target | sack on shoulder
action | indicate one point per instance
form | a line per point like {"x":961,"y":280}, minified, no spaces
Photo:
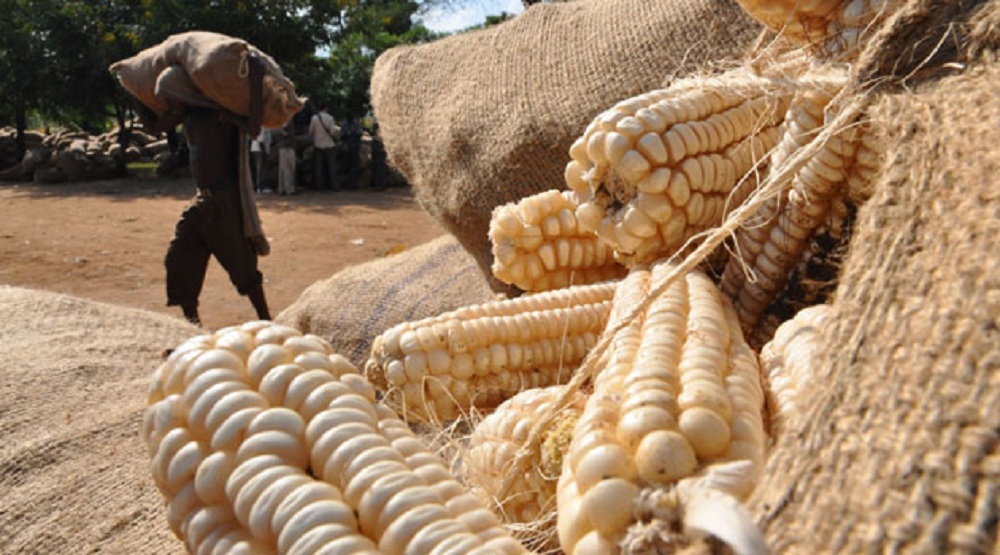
{"x":217,"y":66}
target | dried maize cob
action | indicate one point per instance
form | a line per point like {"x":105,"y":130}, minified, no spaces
{"x":814,"y":278}
{"x":867,"y":162}
{"x":771,"y":242}
{"x":438,"y":367}
{"x":681,"y":393}
{"x":832,"y":29}
{"x":657,"y":169}
{"x":263,"y":440}
{"x":494,"y":445}
{"x":788,"y":361}
{"x":538,"y":246}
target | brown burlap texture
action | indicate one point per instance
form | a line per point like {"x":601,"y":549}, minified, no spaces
{"x":74,"y":474}
{"x":899,"y":447}
{"x":486,"y":118}
{"x":356,"y":304}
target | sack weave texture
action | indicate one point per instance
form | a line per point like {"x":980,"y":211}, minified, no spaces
{"x":74,"y":474}
{"x":357,"y":304}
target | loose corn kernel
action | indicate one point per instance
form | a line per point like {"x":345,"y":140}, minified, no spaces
{"x":789,"y":362}
{"x":439,"y":367}
{"x":264,"y":440}
{"x":494,"y":445}
{"x":539,"y":246}
{"x":657,"y":169}
{"x":680,"y":394}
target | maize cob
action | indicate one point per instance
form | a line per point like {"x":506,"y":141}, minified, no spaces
{"x":657,"y":169}
{"x":831,"y":29}
{"x":538,"y":246}
{"x":814,"y":278}
{"x":494,"y":445}
{"x":680,"y":393}
{"x":867,"y":162}
{"x":788,"y":361}
{"x":771,"y":242}
{"x":263,"y":440}
{"x":438,"y":367}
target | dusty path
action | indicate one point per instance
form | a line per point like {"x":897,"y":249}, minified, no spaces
{"x":106,"y":240}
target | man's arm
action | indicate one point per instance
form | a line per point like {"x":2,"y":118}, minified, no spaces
{"x":250,"y":124}
{"x":156,"y":124}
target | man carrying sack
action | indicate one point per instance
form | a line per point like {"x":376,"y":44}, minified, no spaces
{"x":222,"y":220}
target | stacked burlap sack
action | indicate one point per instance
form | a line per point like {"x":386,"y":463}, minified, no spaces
{"x":68,"y":155}
{"x":199,"y":68}
{"x":74,"y":476}
{"x":485,"y":118}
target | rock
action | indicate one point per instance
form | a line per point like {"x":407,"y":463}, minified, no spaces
{"x":72,"y":163}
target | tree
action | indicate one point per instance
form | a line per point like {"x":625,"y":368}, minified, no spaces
{"x":23,"y":61}
{"x":367,"y":28}
{"x":54,"y":54}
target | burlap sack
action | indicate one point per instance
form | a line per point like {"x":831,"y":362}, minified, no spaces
{"x":485,"y":118}
{"x":174,"y":84}
{"x":356,"y":304}
{"x":217,"y":67}
{"x":74,"y":474}
{"x":899,"y":446}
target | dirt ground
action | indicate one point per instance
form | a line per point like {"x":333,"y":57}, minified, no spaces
{"x":106,"y":240}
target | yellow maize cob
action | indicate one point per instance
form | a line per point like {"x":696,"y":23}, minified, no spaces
{"x":830,"y":28}
{"x":772,"y":241}
{"x":680,"y":393}
{"x":479,"y":356}
{"x":538,"y":246}
{"x":263,"y":440}
{"x":657,"y":169}
{"x":494,"y":445}
{"x":788,"y":362}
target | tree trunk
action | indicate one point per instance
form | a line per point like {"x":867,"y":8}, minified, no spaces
{"x":21,"y":122}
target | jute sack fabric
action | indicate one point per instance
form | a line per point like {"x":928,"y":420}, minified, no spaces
{"x":175,"y":84}
{"x":74,"y":474}
{"x":355,"y":305}
{"x":485,"y":118}
{"x":217,"y":66}
{"x":898,"y":449}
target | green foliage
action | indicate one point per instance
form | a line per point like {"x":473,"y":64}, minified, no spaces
{"x":366,"y":30}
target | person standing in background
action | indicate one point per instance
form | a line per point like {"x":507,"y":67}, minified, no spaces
{"x":352,"y":140}
{"x":323,"y":132}
{"x":260,"y":147}
{"x":284,"y":141}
